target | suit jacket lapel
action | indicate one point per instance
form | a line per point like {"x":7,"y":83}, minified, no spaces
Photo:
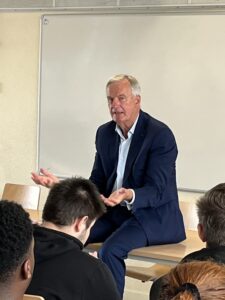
{"x":136,"y":143}
{"x":113,"y":150}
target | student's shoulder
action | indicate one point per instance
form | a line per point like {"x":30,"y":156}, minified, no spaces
{"x":202,"y":254}
{"x":93,"y":261}
{"x":100,"y":281}
{"x":216,"y":254}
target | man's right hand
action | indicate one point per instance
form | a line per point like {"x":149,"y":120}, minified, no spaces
{"x":45,"y":178}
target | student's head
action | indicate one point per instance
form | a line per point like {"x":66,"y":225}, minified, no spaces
{"x":76,"y":203}
{"x":16,"y":250}
{"x":197,"y":280}
{"x":211,"y":214}
{"x":123,"y":95}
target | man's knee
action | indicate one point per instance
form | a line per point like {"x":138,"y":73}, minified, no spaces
{"x":110,"y":249}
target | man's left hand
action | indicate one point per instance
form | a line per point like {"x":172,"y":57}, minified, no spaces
{"x":117,"y":197}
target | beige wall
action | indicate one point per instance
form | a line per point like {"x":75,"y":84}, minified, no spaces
{"x":19,"y":50}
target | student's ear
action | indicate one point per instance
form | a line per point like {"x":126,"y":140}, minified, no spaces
{"x":26,"y":269}
{"x":80,"y":224}
{"x":201,"y":232}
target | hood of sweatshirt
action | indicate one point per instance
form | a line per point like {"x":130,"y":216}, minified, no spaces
{"x":52,"y":243}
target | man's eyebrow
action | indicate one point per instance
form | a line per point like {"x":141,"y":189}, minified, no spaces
{"x":120,"y":95}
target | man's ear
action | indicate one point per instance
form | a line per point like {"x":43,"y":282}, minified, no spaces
{"x":138,"y":99}
{"x":80,"y":224}
{"x":26,"y":269}
{"x":201,"y":232}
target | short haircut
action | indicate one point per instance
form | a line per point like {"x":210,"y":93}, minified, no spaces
{"x":211,"y":214}
{"x":71,"y":199}
{"x":207,"y":277}
{"x":135,"y":87}
{"x":16,"y":235}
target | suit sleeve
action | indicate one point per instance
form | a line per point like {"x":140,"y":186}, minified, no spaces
{"x":97,"y":173}
{"x":158,"y":174}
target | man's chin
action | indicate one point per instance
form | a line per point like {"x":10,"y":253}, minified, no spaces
{"x":118,"y":118}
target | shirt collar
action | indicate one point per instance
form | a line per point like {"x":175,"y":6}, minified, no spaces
{"x":130,"y":132}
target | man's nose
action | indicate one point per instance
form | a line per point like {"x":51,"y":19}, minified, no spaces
{"x":115,"y":102}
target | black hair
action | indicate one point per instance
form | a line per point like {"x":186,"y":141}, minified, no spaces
{"x":73,"y":198}
{"x":16,"y":234}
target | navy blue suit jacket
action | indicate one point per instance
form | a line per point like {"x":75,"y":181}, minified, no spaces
{"x":150,"y":171}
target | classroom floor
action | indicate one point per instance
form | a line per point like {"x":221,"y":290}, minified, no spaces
{"x":135,"y":289}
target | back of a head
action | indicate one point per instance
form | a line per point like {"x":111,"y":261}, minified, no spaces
{"x":71,"y":199}
{"x":16,"y":235}
{"x":196,"y":280}
{"x":211,"y":214}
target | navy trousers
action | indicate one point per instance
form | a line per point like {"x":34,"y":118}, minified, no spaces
{"x":120,"y":232}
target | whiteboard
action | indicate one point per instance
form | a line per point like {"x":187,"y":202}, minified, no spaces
{"x":179,"y":61}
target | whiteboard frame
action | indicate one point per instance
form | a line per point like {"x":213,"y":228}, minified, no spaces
{"x":130,"y":11}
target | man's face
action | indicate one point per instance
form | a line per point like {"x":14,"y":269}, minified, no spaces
{"x":124,"y":107}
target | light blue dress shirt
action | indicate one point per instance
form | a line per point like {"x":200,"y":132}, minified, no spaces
{"x":123,"y":152}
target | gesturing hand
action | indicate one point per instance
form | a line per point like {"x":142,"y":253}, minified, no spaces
{"x":117,"y":197}
{"x":46,"y":178}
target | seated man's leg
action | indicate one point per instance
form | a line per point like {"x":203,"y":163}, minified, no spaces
{"x":128,"y":236}
{"x":108,"y":223}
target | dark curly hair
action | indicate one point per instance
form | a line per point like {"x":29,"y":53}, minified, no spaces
{"x":16,"y":234}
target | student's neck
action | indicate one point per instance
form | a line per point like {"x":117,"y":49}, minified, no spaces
{"x":8,"y":293}
{"x":65,"y":229}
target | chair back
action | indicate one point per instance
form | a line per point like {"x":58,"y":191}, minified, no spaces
{"x":189,"y":212}
{"x":26,"y":195}
{"x":32,"y":297}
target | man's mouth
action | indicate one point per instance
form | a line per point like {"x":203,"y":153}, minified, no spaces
{"x":117,"y":112}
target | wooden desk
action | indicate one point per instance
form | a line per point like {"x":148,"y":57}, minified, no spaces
{"x":164,"y":254}
{"x":170,"y":253}
{"x":35,"y":215}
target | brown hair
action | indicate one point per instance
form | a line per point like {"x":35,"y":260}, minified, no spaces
{"x":211,"y":214}
{"x":207,"y":278}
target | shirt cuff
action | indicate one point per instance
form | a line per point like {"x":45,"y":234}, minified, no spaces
{"x":130,"y":203}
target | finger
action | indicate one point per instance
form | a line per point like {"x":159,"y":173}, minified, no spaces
{"x":110,"y":202}
{"x":103,"y":198}
{"x":53,"y":179}
{"x":122,"y":191}
{"x":34,"y":175}
{"x":47,"y":182}
{"x":46,"y":172}
{"x":35,"y":178}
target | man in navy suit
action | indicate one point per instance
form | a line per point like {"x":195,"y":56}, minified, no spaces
{"x":134,"y":170}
